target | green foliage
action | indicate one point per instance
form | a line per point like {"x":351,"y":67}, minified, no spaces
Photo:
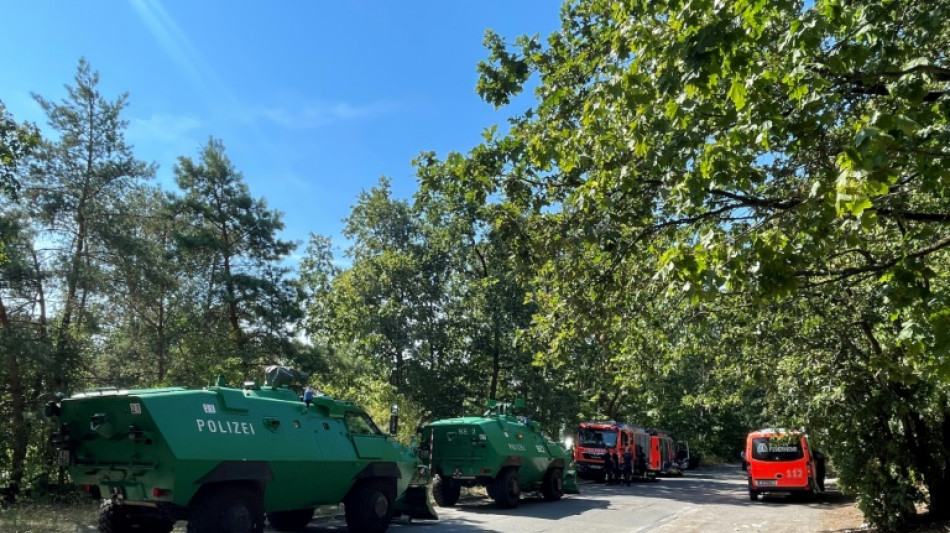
{"x":17,"y":141}
{"x":108,"y":281}
{"x":718,"y":216}
{"x":745,"y":200}
{"x":78,"y":187}
{"x":243,"y":283}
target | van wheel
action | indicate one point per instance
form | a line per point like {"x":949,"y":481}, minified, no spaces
{"x":294,"y":520}
{"x":369,"y":506}
{"x":227,"y":508}
{"x":552,"y":486}
{"x":753,"y":495}
{"x":505,"y":489}
{"x":445,"y":491}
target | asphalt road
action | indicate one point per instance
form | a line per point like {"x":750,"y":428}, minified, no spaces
{"x":705,"y":500}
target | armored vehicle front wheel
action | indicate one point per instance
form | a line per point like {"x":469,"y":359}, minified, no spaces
{"x":505,"y":489}
{"x":121,"y":518}
{"x":294,"y":520}
{"x":227,"y":508}
{"x":369,"y":506}
{"x":552,"y":486}
{"x":445,"y":491}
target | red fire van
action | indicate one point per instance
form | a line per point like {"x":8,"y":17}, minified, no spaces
{"x":779,"y":461}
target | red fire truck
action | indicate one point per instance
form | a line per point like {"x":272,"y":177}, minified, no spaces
{"x":662,"y":455}
{"x":594,"y":439}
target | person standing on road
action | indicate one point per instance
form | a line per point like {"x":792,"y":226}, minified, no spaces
{"x":609,"y":469}
{"x":627,"y":465}
{"x":616,"y":459}
{"x":641,"y":465}
{"x":820,"y":469}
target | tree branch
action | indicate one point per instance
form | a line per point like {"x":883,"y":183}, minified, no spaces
{"x":915,"y":216}
{"x":878,"y":267}
{"x":759,"y":202}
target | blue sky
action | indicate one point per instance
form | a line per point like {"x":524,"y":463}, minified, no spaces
{"x":313,"y":100}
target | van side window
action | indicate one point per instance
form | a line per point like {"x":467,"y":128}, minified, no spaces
{"x":625,"y":441}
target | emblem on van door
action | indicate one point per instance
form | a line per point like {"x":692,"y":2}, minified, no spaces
{"x":762,"y":448}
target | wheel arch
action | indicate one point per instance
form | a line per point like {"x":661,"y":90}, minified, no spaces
{"x":254,"y":471}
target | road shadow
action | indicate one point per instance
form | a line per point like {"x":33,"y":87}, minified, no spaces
{"x":478,"y":510}
{"x":708,"y":486}
{"x":724,"y":485}
{"x":530,"y":506}
{"x":535,"y":507}
{"x":339,"y":525}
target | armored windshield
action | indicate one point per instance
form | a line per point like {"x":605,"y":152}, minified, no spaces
{"x":360,"y":424}
{"x":597,"y":438}
{"x":766,"y":449}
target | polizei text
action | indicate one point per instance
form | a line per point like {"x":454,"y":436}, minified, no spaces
{"x":225,"y":426}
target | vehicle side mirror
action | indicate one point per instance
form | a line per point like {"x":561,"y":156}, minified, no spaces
{"x":394,"y":420}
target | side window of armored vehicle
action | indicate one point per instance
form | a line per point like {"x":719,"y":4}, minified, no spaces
{"x":360,"y":424}
{"x":625,"y":440}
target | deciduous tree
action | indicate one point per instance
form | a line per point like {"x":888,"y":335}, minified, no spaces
{"x":758,"y":154}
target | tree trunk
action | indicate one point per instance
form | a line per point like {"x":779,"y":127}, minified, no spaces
{"x":40,"y":296}
{"x":63,"y":363}
{"x":18,"y":428}
{"x":160,"y":335}
{"x":233,"y":319}
{"x":495,"y":361}
{"x":938,"y":482}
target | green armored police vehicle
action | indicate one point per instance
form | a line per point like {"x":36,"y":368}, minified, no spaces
{"x":504,"y":453}
{"x":221,"y":458}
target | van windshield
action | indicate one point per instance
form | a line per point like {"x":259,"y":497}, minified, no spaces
{"x":766,"y":449}
{"x":597,"y":438}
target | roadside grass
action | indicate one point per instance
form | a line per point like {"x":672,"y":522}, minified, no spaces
{"x":74,"y":517}
{"x":82,"y":517}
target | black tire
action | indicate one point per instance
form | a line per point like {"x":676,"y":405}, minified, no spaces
{"x":505,"y":489}
{"x":445,"y":491}
{"x":552,"y":486}
{"x":227,"y":509}
{"x":112,"y":519}
{"x":753,"y":495}
{"x":125,"y":519}
{"x":295,"y":520}
{"x":805,"y":495}
{"x":369,"y":506}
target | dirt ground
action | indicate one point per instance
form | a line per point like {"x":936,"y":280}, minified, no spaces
{"x":843,"y":518}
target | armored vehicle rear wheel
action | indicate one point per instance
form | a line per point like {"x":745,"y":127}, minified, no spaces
{"x":445,"y":491}
{"x":552,"y":486}
{"x":294,"y":520}
{"x":369,"y":506}
{"x":505,"y":489}
{"x":119,"y":519}
{"x":227,"y":509}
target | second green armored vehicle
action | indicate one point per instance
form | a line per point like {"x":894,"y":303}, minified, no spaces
{"x":506,"y":454}
{"x":223,"y":458}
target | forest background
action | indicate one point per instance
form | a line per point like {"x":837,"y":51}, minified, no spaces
{"x":716,"y":216}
